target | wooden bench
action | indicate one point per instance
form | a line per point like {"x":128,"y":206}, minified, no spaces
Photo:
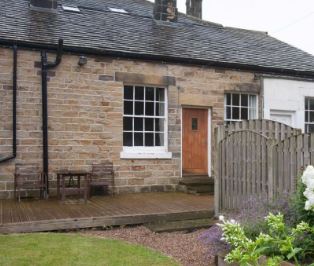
{"x":28,"y":177}
{"x":102,"y":178}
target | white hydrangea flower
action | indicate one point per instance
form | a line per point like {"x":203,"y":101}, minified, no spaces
{"x":308,"y":174}
{"x":311,"y":199}
{"x":307,"y":206}
{"x":221,"y":218}
{"x":308,"y":181}
{"x":308,"y":193}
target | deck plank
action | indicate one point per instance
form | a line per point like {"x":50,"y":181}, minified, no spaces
{"x":52,"y":214}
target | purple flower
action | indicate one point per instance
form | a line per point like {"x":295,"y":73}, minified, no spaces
{"x":212,"y":238}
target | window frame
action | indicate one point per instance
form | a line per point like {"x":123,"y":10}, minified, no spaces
{"x":146,"y":152}
{"x":307,"y":113}
{"x":239,"y":106}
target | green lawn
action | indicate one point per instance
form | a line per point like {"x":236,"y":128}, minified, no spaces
{"x":69,"y":249}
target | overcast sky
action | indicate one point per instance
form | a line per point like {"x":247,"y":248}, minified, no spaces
{"x":291,"y":21}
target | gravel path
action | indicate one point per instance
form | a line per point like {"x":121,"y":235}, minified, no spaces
{"x":184,"y":247}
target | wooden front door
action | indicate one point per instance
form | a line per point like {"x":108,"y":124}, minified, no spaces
{"x":195,"y":141}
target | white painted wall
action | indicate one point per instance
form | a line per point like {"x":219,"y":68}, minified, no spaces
{"x":284,"y":100}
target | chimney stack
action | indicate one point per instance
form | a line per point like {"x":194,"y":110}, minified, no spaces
{"x":44,"y":5}
{"x":194,"y":8}
{"x":166,"y":10}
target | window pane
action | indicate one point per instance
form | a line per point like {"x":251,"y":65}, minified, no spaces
{"x":235,"y":113}
{"x":149,"y":108}
{"x":149,"y":124}
{"x":160,"y":94}
{"x":244,"y":100}
{"x":159,"y":124}
{"x":244,"y":113}
{"x":128,"y":92}
{"x":236,"y":99}
{"x":149,"y":139}
{"x":252,"y":113}
{"x":149,"y":94}
{"x":138,"y":139}
{"x":128,"y":107}
{"x":252,"y":101}
{"x":139,"y":93}
{"x":159,"y":139}
{"x":194,"y":124}
{"x":127,"y":123}
{"x":160,"y":109}
{"x":306,"y":116}
{"x":310,"y":128}
{"x":311,"y":104}
{"x":311,"y":117}
{"x":127,"y":139}
{"x":138,"y":124}
{"x":228,"y":99}
{"x":139,"y":108}
{"x":306,"y":103}
{"x":228,"y":113}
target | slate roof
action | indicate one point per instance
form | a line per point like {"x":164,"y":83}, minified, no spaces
{"x":99,"y":30}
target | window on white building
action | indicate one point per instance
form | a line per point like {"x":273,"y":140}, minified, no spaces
{"x":144,"y":117}
{"x":309,"y":115}
{"x":240,"y":106}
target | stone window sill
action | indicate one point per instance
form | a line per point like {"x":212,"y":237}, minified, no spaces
{"x":145,"y":155}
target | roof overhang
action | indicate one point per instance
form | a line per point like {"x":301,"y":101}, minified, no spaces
{"x":161,"y":58}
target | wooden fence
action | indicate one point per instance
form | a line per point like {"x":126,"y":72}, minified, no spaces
{"x":259,"y":158}
{"x":289,"y":158}
{"x":269,"y":128}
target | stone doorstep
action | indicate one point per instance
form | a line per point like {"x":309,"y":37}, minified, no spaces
{"x":197,"y":184}
{"x":196,"y":180}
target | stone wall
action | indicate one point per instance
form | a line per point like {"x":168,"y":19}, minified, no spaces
{"x":85,"y":114}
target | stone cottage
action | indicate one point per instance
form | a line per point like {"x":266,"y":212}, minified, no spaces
{"x":132,"y":82}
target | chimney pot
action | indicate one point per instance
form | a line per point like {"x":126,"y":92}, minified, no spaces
{"x":194,"y":8}
{"x":166,"y":10}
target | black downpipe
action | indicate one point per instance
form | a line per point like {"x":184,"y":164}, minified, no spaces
{"x":45,"y":66}
{"x":13,"y":156}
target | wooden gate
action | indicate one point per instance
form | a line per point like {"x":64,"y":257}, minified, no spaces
{"x":243,"y":165}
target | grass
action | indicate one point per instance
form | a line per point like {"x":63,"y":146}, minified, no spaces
{"x":70,"y":249}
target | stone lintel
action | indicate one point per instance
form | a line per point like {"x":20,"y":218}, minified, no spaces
{"x":134,"y":78}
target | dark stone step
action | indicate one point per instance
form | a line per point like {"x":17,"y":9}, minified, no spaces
{"x":196,"y":180}
{"x":208,"y":189}
{"x":201,"y":188}
{"x":193,"y":192}
{"x":198,"y":185}
{"x":181,"y":225}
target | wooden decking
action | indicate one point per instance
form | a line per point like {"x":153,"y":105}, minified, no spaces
{"x":52,"y":214}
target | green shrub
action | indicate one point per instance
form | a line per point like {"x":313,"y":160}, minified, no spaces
{"x":278,"y":243}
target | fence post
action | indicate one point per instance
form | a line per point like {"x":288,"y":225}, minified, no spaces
{"x":217,"y":188}
{"x":270,"y":169}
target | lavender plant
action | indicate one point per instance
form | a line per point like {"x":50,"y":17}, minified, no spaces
{"x":213,"y":238}
{"x":252,"y":212}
